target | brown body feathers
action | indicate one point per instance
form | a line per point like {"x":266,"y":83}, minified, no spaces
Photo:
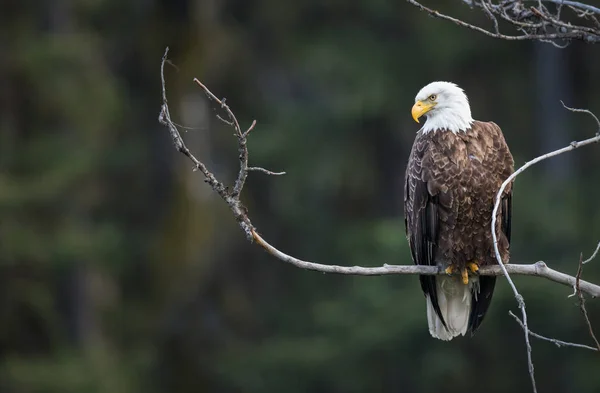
{"x":450,"y":189}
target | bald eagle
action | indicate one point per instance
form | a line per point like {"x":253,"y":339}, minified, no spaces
{"x":455,"y":169}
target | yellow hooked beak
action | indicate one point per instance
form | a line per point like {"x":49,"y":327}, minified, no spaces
{"x":420,"y":108}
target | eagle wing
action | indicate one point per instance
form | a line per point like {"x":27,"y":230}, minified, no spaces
{"x":421,"y":216}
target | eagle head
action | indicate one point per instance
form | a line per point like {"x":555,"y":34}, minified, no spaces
{"x":445,"y":105}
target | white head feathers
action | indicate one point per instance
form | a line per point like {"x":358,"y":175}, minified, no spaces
{"x":448,"y":107}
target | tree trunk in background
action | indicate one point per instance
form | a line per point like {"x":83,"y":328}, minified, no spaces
{"x":77,"y":305}
{"x":553,"y":85}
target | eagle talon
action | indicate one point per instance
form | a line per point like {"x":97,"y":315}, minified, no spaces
{"x":449,"y":270}
{"x":473,"y":267}
{"x":465,"y":276}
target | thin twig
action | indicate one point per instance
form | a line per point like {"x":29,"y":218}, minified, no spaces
{"x":577,"y":281}
{"x":557,"y":22}
{"x":165,"y":119}
{"x":249,"y":129}
{"x":593,"y":255}
{"x":527,"y":25}
{"x":587,"y":111}
{"x":491,"y":16}
{"x":238,"y":210}
{"x":558,"y":343}
{"x":229,"y":123}
{"x":582,"y":301}
{"x":575,"y":4}
{"x":265,"y":171}
{"x":242,"y":149}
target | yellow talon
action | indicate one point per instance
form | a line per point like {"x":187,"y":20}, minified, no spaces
{"x":465,"y":276}
{"x":449,"y":270}
{"x":473,"y":267}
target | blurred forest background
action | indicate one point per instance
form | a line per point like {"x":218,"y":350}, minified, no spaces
{"x":121,"y":271}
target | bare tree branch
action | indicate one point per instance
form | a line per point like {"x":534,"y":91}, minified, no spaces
{"x":539,"y":269}
{"x":537,"y":24}
{"x":232,"y":198}
{"x":558,"y":343}
{"x":238,"y":210}
{"x":518,"y":296}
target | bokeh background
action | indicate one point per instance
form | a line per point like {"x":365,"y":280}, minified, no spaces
{"x":121,"y":271}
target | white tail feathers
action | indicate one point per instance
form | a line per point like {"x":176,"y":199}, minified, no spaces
{"x":454,"y":299}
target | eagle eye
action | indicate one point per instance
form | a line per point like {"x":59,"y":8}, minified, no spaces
{"x":432,"y":97}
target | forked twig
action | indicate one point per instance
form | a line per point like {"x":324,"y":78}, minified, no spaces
{"x":533,"y":23}
{"x":582,"y":301}
{"x":558,"y":343}
{"x":518,"y":296}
